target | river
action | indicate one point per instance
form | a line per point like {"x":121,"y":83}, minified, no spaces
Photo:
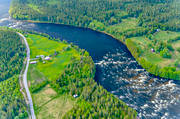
{"x":117,"y":70}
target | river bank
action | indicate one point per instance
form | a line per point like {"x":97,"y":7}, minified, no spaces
{"x":154,"y":69}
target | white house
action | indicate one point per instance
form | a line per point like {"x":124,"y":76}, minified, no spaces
{"x":47,"y":58}
{"x":152,"y":50}
{"x":42,"y":56}
{"x":37,"y":56}
{"x":75,"y":96}
{"x":33,"y":62}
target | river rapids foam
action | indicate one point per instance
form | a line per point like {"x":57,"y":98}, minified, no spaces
{"x":153,"y":98}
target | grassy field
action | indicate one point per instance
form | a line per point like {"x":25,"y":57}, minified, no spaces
{"x":165,"y":35}
{"x":126,"y":24}
{"x":53,"y":2}
{"x":145,"y":44}
{"x":43,"y":46}
{"x":48,"y":104}
{"x":34,"y":7}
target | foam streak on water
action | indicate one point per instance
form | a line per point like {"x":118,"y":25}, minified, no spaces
{"x":152,"y":98}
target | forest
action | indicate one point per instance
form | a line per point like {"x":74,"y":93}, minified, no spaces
{"x":150,"y":13}
{"x":12,"y":53}
{"x":138,"y":20}
{"x":12,"y":105}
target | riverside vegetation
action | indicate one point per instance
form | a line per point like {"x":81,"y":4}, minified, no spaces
{"x":12,"y":54}
{"x":63,"y":87}
{"x":149,"y":28}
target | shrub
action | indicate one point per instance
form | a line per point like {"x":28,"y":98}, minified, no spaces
{"x":169,"y":47}
{"x":165,"y":53}
{"x":178,"y":49}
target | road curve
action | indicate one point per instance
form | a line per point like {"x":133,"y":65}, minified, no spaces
{"x":25,"y":79}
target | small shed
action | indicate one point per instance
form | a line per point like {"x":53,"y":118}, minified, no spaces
{"x":38,"y":56}
{"x":75,"y":95}
{"x":42,"y":56}
{"x":152,"y":50}
{"x":55,"y":53}
{"x":47,"y":58}
{"x":33,"y":62}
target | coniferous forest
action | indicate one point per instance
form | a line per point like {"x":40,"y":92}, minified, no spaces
{"x":150,"y":13}
{"x":12,"y":53}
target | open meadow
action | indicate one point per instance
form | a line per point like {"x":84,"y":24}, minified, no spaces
{"x":44,"y":97}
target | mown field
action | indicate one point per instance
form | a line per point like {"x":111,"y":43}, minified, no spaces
{"x":50,"y":105}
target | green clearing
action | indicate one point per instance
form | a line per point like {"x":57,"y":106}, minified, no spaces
{"x":122,"y":13}
{"x":176,"y":44}
{"x":166,"y":35}
{"x":35,"y":76}
{"x":35,"y":8}
{"x":40,"y":45}
{"x":140,"y":41}
{"x":49,"y":104}
{"x":153,"y":57}
{"x":53,"y":2}
{"x":126,"y":24}
{"x":145,"y":44}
